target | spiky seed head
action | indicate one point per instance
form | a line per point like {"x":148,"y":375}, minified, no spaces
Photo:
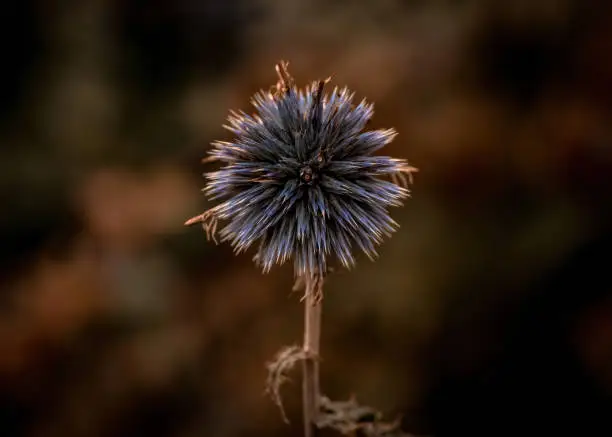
{"x":301,"y":179}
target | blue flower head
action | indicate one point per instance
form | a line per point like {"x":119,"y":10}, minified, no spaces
{"x":300,"y":178}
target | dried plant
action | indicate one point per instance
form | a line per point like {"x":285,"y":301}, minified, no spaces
{"x":301,"y":180}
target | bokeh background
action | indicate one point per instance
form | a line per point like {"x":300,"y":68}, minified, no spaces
{"x":488,"y":313}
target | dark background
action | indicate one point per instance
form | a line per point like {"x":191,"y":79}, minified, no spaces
{"x":489,"y":313}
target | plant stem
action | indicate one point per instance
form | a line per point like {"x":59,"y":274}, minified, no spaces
{"x":312,"y":335}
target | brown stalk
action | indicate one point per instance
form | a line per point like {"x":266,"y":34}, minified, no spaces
{"x":312,"y":335}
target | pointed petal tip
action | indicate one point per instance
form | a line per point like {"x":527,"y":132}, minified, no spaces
{"x":209,"y":159}
{"x":194,"y":220}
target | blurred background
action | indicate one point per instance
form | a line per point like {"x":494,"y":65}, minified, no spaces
{"x":488,"y":313}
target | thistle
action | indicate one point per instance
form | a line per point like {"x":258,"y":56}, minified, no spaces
{"x":301,"y":180}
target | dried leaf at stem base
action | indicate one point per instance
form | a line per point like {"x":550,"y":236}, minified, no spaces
{"x":350,"y":418}
{"x":278,"y":371}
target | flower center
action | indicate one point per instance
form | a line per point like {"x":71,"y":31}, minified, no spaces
{"x":307,"y":175}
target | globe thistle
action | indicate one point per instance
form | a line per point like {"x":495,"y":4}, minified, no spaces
{"x":301,"y":179}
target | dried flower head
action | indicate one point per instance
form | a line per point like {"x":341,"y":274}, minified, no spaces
{"x":301,"y":179}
